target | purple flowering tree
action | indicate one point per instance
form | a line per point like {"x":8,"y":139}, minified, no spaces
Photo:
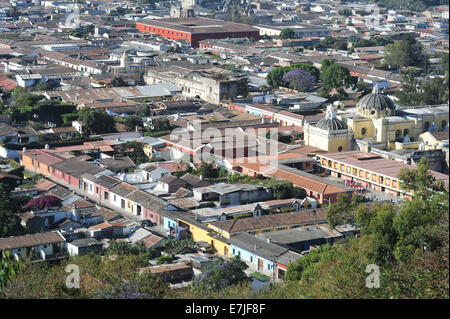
{"x":43,"y":202}
{"x":299,"y":80}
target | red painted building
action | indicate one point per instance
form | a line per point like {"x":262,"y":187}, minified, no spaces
{"x":195,"y":29}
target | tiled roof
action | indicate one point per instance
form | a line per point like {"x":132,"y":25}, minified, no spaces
{"x":44,"y":184}
{"x":259,"y":247}
{"x":194,"y":180}
{"x":375,"y":163}
{"x":123,"y":189}
{"x":117,"y":163}
{"x":6,"y":129}
{"x":271,"y":221}
{"x":31,"y":240}
{"x":441,"y":135}
{"x":76,"y":167}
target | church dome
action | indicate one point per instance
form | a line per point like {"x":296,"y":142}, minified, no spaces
{"x":330,"y":122}
{"x":375,"y":104}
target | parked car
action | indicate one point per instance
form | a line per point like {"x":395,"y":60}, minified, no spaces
{"x":146,"y":223}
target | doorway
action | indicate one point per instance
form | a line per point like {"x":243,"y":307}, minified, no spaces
{"x":260,"y":264}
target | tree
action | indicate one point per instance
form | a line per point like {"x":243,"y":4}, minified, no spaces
{"x":223,"y":172}
{"x":372,"y":42}
{"x":44,"y":202}
{"x":135,"y":151}
{"x":207,"y":170}
{"x":118,"y":82}
{"x":345,"y":12}
{"x":132,"y":121}
{"x":444,"y":63}
{"x":14,"y":12}
{"x":220,"y":274}
{"x":8,"y":268}
{"x":299,"y":80}
{"x":96,"y":121}
{"x":295,"y":270}
{"x":175,"y":49}
{"x":428,"y":92}
{"x":336,"y":43}
{"x":341,"y":212}
{"x":275,"y":77}
{"x":287,"y":33}
{"x":434,"y":91}
{"x":409,"y":94}
{"x":407,"y":52}
{"x":336,"y":76}
{"x":420,"y":181}
{"x":243,"y":86}
{"x":9,"y":220}
{"x":285,"y":190}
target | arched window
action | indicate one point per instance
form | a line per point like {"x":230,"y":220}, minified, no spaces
{"x":340,"y":148}
{"x":405,"y":132}
{"x":398,"y":133}
{"x":427,"y":125}
{"x":363,"y":131}
{"x":444,"y":124}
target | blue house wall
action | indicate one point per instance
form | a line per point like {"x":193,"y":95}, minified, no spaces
{"x":252,"y":258}
{"x":169,"y":223}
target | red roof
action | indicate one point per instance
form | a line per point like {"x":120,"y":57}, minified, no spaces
{"x":7,"y":84}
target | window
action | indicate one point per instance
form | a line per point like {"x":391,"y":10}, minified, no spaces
{"x":106,"y":195}
{"x":427,"y":125}
{"x":234,"y":251}
{"x":90,"y":187}
{"x":340,"y":148}
{"x":405,"y":132}
{"x":444,"y":124}
{"x":251,"y":259}
{"x":114,"y":197}
{"x":363,"y":131}
{"x":96,"y":190}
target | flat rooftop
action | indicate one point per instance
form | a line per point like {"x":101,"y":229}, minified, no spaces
{"x":198,"y":25}
{"x":376,"y":163}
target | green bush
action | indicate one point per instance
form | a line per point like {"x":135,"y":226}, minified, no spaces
{"x":165,"y":259}
{"x":259,"y":276}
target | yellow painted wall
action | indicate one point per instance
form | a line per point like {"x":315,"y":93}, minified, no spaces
{"x":333,"y":145}
{"x":129,"y":206}
{"x":219,"y":231}
{"x":357,"y":125}
{"x":200,"y":234}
